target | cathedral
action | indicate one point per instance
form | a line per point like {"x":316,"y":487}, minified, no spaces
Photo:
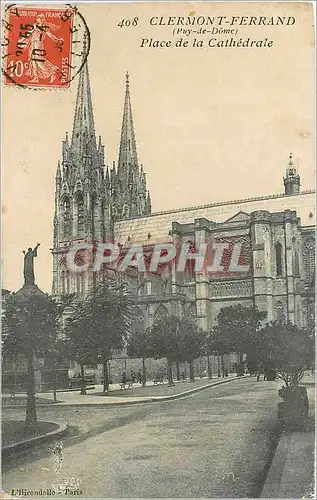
{"x":271,"y":239}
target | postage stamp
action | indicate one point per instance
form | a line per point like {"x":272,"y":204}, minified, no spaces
{"x":43,"y":46}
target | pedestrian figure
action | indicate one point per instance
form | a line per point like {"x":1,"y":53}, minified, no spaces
{"x":133,"y":377}
{"x":124,"y":377}
{"x":183,"y":376}
{"x":140,"y":377}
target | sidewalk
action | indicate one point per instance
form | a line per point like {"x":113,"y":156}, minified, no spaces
{"x":292,"y":469}
{"x":137,"y":394}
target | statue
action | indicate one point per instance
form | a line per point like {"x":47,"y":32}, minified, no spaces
{"x":29,"y":265}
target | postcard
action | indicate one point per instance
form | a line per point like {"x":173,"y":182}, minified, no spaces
{"x":158,"y":249}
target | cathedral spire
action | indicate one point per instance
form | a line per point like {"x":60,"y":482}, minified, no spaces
{"x":83,"y":126}
{"x":127,"y":151}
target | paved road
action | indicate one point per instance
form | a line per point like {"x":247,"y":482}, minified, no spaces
{"x":216,"y":443}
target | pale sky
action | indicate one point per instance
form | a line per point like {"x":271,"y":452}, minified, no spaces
{"x":211,"y":123}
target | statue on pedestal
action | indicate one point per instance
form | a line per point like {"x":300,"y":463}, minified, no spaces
{"x":28,"y":270}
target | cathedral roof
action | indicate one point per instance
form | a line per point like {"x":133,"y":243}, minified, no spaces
{"x":156,"y":227}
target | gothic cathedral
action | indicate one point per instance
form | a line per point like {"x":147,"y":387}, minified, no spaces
{"x":89,"y":197}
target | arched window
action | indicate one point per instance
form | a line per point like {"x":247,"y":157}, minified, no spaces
{"x":79,"y":213}
{"x":160,"y":313}
{"x":66,"y":218}
{"x":278,"y":259}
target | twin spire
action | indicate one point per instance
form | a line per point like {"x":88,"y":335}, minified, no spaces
{"x":127,"y":182}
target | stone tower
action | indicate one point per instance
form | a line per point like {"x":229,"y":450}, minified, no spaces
{"x":87,"y":196}
{"x":292,"y":178}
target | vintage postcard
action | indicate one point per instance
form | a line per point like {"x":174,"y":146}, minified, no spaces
{"x":158,"y":249}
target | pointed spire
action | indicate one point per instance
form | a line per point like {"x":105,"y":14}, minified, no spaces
{"x":58,"y":171}
{"x":127,"y":150}
{"x":148,"y":207}
{"x":107,"y":176}
{"x":83,"y":125}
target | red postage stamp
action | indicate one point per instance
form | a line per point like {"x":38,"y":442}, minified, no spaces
{"x":41,"y":44}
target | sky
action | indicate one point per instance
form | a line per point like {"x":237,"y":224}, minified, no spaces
{"x":211,"y":124}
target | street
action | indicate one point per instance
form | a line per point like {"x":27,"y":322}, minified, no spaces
{"x":216,"y":443}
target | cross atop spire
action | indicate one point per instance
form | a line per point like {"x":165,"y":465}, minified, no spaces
{"x":128,"y":158}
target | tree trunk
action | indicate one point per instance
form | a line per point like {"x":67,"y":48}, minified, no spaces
{"x":240,"y":370}
{"x":83,"y":385}
{"x":178,"y":376}
{"x":31,"y":417}
{"x":209,"y":368}
{"x":105,"y":376}
{"x":222,"y":366}
{"x":54,"y":385}
{"x":218,"y":363}
{"x":143,"y":373}
{"x":191,"y":371}
{"x":170,"y":373}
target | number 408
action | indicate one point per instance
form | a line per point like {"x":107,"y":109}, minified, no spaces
{"x":128,"y":22}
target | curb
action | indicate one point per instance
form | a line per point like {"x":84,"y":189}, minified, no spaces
{"x":139,"y":402}
{"x":286,"y":477}
{"x":276,"y":469}
{"x":27,"y":443}
{"x":196,"y":389}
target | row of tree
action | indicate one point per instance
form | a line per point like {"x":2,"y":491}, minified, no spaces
{"x":91,"y":331}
